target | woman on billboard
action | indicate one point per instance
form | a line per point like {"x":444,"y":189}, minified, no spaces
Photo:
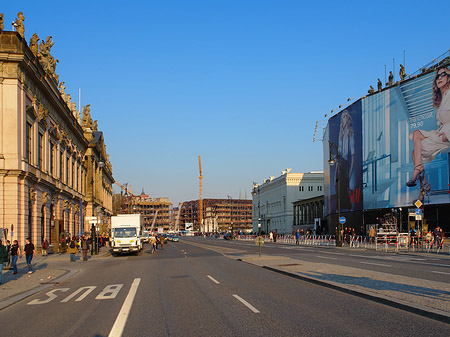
{"x":347,"y":160}
{"x":427,"y":144}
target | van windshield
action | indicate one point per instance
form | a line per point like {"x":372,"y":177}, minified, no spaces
{"x":124,"y":232}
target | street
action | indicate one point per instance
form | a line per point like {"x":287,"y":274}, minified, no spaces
{"x":198,"y":287}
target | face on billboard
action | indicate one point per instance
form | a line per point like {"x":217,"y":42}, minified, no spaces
{"x":406,"y":143}
{"x":342,"y":143}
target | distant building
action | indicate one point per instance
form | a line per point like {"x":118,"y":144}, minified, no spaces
{"x":219,"y":215}
{"x":155,"y":211}
{"x":273,"y":199}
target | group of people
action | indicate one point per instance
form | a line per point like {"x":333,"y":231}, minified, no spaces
{"x":10,"y":253}
{"x":155,"y":241}
{"x":76,"y":244}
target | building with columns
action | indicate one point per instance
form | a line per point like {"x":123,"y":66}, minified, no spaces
{"x":54,"y":170}
{"x":273,"y":199}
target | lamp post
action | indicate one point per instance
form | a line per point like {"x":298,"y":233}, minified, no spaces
{"x":332,"y":160}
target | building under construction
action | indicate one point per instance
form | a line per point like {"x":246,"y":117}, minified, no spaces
{"x":219,"y":215}
{"x":156,"y":212}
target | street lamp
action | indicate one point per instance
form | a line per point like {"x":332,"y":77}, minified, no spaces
{"x":332,"y":160}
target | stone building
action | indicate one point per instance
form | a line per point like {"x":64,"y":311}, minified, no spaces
{"x":54,"y":169}
{"x":273,"y":200}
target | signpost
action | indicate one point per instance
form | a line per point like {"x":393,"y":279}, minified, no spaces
{"x":342,"y":219}
{"x":259,"y":241}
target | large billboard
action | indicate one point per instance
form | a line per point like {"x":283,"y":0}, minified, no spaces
{"x":400,"y":149}
{"x":343,"y":161}
{"x":406,"y":142}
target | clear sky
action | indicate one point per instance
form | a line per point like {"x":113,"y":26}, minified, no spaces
{"x":239,"y":82}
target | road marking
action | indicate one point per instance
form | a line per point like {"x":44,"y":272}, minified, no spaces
{"x":51,"y":297}
{"x":88,"y":289}
{"x":122,"y":317}
{"x":212,"y":279}
{"x":440,"y":272}
{"x":327,"y":257}
{"x":376,"y":264}
{"x":248,"y":305}
{"x":110,"y":292}
{"x":333,"y":253}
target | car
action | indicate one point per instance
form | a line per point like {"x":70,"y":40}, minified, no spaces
{"x":175,"y":238}
{"x":228,"y":236}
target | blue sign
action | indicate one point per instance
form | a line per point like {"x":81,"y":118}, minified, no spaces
{"x":342,"y":219}
{"x":418,"y":211}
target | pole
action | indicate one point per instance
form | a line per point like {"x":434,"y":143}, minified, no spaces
{"x":339,"y":198}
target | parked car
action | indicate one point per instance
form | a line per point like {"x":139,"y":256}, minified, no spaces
{"x":228,"y":236}
{"x":175,"y":238}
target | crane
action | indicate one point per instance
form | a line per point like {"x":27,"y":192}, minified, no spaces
{"x":200,"y":187}
{"x":125,"y":188}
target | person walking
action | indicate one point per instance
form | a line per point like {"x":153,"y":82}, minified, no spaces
{"x":161,"y":241}
{"x":153,"y":242}
{"x":8,"y":259}
{"x":84,"y":247}
{"x":3,"y":258}
{"x":29,"y":253}
{"x":15,"y":253}
{"x":45,"y":247}
{"x":297,"y":237}
{"x":72,"y":250}
{"x":372,"y":234}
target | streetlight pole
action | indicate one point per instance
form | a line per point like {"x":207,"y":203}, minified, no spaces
{"x":332,"y":161}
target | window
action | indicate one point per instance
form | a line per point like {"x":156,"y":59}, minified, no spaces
{"x":61,"y":166}
{"x":319,"y":188}
{"x":73,"y":173}
{"x":301,"y":188}
{"x":52,"y":158}
{"x":28,"y":142}
{"x":40,"y":151}
{"x":310,"y":188}
{"x":67,"y":171}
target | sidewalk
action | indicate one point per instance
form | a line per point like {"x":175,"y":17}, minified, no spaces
{"x":423,"y":297}
{"x":48,"y":270}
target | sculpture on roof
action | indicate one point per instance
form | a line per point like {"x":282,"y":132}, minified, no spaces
{"x":20,"y":28}
{"x":379,"y":85}
{"x":95,"y":127}
{"x":391,"y":79}
{"x":371,"y":90}
{"x":402,"y":72}
{"x":86,"y":122}
{"x":34,"y":44}
{"x":1,"y":22}
{"x":47,"y":61}
{"x":62,"y":90}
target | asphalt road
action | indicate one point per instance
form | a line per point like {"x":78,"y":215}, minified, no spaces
{"x":187,"y":290}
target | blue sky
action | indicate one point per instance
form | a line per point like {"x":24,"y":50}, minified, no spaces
{"x":240,"y":83}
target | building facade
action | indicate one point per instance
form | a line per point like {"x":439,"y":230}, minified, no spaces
{"x":308,"y":214}
{"x":219,"y":215}
{"x":50,"y":175}
{"x":273,"y":199}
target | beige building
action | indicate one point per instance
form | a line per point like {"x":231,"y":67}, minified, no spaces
{"x":54,"y":170}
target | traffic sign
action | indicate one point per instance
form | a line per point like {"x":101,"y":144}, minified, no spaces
{"x":259,"y":241}
{"x":342,"y":219}
{"x":418,"y":211}
{"x":418,"y":203}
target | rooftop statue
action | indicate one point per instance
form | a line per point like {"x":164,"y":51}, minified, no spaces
{"x":379,"y":85}
{"x":87,"y":120}
{"x":34,"y":44}
{"x":1,"y":22}
{"x":20,"y":28}
{"x":47,"y":61}
{"x":371,"y":90}
{"x":62,"y":90}
{"x":391,"y":78}
{"x":402,"y":72}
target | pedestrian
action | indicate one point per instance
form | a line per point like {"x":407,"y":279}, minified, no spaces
{"x":84,"y":247}
{"x":29,"y":253}
{"x":153,"y":242}
{"x":372,"y":234}
{"x":45,"y":247}
{"x":271,"y":236}
{"x":72,"y":250}
{"x":8,"y":249}
{"x":274,"y":236}
{"x":297,"y":237}
{"x":3,"y":258}
{"x":161,"y":241}
{"x":15,"y":253}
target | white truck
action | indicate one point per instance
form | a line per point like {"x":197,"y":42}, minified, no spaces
{"x":126,"y":232}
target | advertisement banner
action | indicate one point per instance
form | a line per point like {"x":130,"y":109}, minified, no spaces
{"x":406,"y":143}
{"x":343,"y":164}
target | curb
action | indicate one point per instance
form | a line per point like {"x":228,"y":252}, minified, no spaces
{"x":19,"y":297}
{"x":435,"y":314}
